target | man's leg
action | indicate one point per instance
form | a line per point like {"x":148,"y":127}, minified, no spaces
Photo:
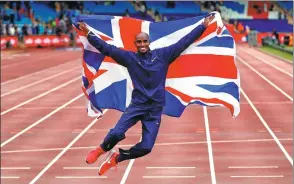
{"x":150,"y":126}
{"x":129,"y":118}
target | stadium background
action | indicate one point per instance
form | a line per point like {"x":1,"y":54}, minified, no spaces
{"x":43,"y":135}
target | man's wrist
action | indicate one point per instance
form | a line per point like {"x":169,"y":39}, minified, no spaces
{"x":204,"y":25}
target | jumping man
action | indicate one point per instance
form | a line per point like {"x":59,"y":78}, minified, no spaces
{"x":148,"y":70}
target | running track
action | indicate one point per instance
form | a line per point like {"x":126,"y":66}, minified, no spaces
{"x":46,"y":134}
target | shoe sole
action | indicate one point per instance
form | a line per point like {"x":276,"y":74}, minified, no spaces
{"x":106,"y":160}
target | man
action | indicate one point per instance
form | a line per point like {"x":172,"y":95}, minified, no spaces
{"x":148,"y":70}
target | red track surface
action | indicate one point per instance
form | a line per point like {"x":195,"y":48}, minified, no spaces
{"x":242,"y":150}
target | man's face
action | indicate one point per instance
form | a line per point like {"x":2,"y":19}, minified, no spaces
{"x":142,"y":42}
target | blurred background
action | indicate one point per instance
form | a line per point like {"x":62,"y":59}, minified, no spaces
{"x":41,"y":24}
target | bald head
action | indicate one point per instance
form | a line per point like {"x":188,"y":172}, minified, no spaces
{"x":142,"y":35}
{"x":142,"y":42}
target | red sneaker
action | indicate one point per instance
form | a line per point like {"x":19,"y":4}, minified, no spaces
{"x":94,"y":155}
{"x":109,"y":162}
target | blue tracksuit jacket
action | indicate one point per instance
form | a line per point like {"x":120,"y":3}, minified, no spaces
{"x":147,"y":71}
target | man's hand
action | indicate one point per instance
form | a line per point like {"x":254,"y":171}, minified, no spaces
{"x":208,"y":20}
{"x":83,"y":27}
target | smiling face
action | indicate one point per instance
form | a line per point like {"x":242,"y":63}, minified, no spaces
{"x":142,"y":42}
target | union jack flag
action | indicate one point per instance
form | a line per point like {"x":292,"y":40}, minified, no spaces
{"x":204,"y":74}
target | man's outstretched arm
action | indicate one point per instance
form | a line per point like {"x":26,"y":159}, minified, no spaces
{"x":120,"y":56}
{"x":175,"y":50}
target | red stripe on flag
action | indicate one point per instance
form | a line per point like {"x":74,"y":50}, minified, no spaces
{"x":210,"y":29}
{"x":187,"y":99}
{"x":85,"y":93}
{"x":100,"y":72}
{"x":109,"y":60}
{"x":81,"y":33}
{"x":88,"y":74}
{"x":129,"y":28}
{"x":203,"y":65}
{"x":104,"y":38}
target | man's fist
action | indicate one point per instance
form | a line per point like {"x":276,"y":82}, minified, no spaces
{"x":208,"y":20}
{"x":83,"y":27}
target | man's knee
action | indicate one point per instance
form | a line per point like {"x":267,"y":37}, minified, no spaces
{"x":146,"y":148}
{"x":146,"y":151}
{"x":140,"y":152}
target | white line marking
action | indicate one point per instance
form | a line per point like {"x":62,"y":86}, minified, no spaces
{"x":128,"y":170}
{"x":15,"y":64}
{"x":66,"y":148}
{"x":41,"y":95}
{"x":81,"y":177}
{"x":210,"y":155}
{"x":9,"y":177}
{"x":277,"y":176}
{"x":41,"y":71}
{"x":262,"y":76}
{"x":48,"y":108}
{"x":253,"y":167}
{"x":268,"y":103}
{"x":37,"y":82}
{"x":268,"y":128}
{"x":159,"y":177}
{"x":272,"y":65}
{"x":16,"y":168}
{"x":158,"y":144}
{"x":126,"y":174}
{"x":82,"y":168}
{"x":170,"y":167}
{"x":41,"y":120}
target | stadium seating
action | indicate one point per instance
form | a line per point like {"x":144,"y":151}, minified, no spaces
{"x":42,"y":11}
{"x":118,"y":8}
{"x":236,"y":6}
{"x":288,"y":5}
{"x":181,"y":8}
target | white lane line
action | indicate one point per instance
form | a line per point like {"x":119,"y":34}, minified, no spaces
{"x":32,"y":74}
{"x":9,"y":177}
{"x":15,"y":64}
{"x":39,"y":81}
{"x":170,"y":167}
{"x":66,"y":148}
{"x":40,"y":58}
{"x":267,"y":80}
{"x":272,"y":65}
{"x":253,"y":167}
{"x":268,"y":103}
{"x":157,"y":144}
{"x":271,"y":176}
{"x":210,"y":155}
{"x":80,"y":168}
{"x":54,"y":107}
{"x":268,"y":128}
{"x":81,"y":177}
{"x":41,"y":120}
{"x":128,"y":170}
{"x":160,"y":177}
{"x":39,"y":96}
{"x":126,"y":174}
{"x":14,"y":168}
